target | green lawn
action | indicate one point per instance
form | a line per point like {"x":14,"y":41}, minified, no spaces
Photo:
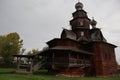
{"x":6,"y":70}
{"x":45,"y":77}
{"x":41,"y":77}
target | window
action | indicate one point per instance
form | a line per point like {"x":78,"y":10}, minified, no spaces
{"x":81,"y":23}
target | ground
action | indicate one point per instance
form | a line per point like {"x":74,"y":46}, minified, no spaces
{"x":6,"y":74}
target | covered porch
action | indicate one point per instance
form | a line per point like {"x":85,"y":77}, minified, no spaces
{"x":70,"y":60}
{"x":27,"y":63}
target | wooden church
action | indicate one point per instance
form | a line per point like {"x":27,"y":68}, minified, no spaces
{"x":81,"y":51}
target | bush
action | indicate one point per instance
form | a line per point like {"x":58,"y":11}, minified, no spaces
{"x":10,"y":65}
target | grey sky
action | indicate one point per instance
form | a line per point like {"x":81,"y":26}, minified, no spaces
{"x":38,"y":21}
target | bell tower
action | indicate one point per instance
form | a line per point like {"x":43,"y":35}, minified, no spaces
{"x":80,"y":23}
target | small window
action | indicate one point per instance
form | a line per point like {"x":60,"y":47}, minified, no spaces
{"x":81,"y":23}
{"x":82,"y":33}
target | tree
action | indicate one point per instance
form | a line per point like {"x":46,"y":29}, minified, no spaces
{"x":22,"y":51}
{"x":10,"y":45}
{"x":45,"y":48}
{"x":32,"y":51}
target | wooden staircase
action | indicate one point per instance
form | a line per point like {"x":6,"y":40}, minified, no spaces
{"x":38,"y":65}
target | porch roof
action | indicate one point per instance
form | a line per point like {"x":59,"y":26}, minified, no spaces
{"x":61,"y":48}
{"x":27,"y":56}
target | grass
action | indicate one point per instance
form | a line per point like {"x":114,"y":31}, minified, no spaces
{"x":6,"y":70}
{"x":46,"y":77}
{"x":41,"y":77}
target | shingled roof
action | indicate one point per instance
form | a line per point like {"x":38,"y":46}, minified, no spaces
{"x":68,"y":34}
{"x":96,"y":35}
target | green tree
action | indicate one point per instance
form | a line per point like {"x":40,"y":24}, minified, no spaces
{"x":32,"y":51}
{"x":9,"y":45}
{"x":22,"y":51}
{"x":35,"y":50}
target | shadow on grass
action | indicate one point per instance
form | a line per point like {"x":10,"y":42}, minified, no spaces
{"x":41,"y":72}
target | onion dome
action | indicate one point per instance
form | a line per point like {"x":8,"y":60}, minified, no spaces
{"x":79,"y":6}
{"x":93,"y":23}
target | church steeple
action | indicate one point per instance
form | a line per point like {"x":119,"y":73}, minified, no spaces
{"x":79,"y":11}
{"x":80,"y":22}
{"x":79,"y":6}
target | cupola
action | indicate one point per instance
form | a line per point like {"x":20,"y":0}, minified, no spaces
{"x":93,"y":23}
{"x":79,"y":6}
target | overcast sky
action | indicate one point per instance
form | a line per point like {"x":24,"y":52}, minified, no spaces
{"x":38,"y":21}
